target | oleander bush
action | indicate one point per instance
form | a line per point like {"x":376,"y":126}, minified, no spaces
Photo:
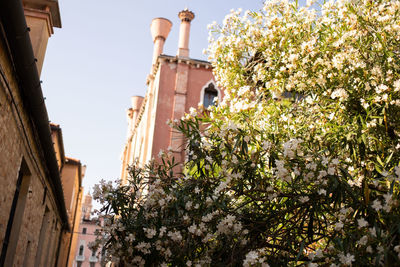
{"x":298,"y":165}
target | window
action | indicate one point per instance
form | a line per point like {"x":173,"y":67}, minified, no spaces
{"x":84,"y":231}
{"x":15,"y":218}
{"x":79,"y":264}
{"x":92,"y":264}
{"x":41,"y":251}
{"x":210,"y":93}
{"x":81,"y":250}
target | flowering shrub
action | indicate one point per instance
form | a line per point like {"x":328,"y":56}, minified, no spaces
{"x":300,"y":162}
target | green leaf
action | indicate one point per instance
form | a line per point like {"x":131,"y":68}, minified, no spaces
{"x":389,"y":158}
{"x":380,"y":161}
{"x":301,"y":250}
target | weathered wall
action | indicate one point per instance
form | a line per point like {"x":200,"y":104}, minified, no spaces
{"x":18,"y":144}
{"x":76,"y":227}
{"x":70,"y":183}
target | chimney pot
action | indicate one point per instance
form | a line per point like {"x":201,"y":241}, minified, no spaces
{"x":186,"y":16}
{"x":136,"y":104}
{"x":160,"y":28}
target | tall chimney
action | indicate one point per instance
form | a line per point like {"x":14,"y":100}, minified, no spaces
{"x":41,"y":17}
{"x":160,"y":28}
{"x":186,"y":17}
{"x":136,"y":104}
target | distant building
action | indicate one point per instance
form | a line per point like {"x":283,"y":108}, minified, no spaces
{"x":84,"y":256}
{"x":36,"y":226}
{"x":175,"y":84}
{"x":87,"y":207}
{"x":72,"y":175}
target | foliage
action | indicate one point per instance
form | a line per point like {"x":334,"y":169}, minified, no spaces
{"x":300,"y":162}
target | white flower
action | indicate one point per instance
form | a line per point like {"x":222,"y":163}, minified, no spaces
{"x":396,"y":86}
{"x":188,"y":205}
{"x":175,"y":236}
{"x":161,"y":202}
{"x":322,"y":192}
{"x":192,"y":229}
{"x":251,"y":258}
{"x":193,"y":111}
{"x":267,"y":146}
{"x":234,"y":160}
{"x":225,"y":225}
{"x":331,"y":171}
{"x":150,"y":233}
{"x":381,"y":88}
{"x":397,"y":171}
{"x":388,"y":202}
{"x":346,"y":259}
{"x":138,"y":260}
{"x":304,"y":199}
{"x":243,"y":90}
{"x":324,"y":161}
{"x":207,"y":218}
{"x":372,"y":231}
{"x":377,"y":205}
{"x":143,"y":247}
{"x":163,"y":229}
{"x":338,"y":226}
{"x":339,"y":93}
{"x":362,"y":223}
{"x":282,"y":171}
{"x":363,"y":240}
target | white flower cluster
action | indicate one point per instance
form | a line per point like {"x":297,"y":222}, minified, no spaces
{"x":302,"y":155}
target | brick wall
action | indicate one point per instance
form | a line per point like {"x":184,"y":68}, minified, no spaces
{"x":18,"y":143}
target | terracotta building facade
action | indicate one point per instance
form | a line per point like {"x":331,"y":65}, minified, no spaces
{"x":175,"y":84}
{"x":35,"y":223}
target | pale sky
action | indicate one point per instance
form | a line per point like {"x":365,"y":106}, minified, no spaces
{"x":100,"y":58}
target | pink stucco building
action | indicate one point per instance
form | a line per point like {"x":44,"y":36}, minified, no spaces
{"x":175,"y":84}
{"x":84,"y":256}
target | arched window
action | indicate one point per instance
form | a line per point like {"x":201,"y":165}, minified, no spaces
{"x":209,"y":95}
{"x":81,"y":250}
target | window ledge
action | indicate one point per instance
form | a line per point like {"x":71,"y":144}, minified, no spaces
{"x":80,"y":258}
{"x":93,"y":259}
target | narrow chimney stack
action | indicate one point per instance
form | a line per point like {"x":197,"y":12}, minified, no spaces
{"x":41,"y":18}
{"x":136,"y":104}
{"x":186,"y":16}
{"x":160,"y":28}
